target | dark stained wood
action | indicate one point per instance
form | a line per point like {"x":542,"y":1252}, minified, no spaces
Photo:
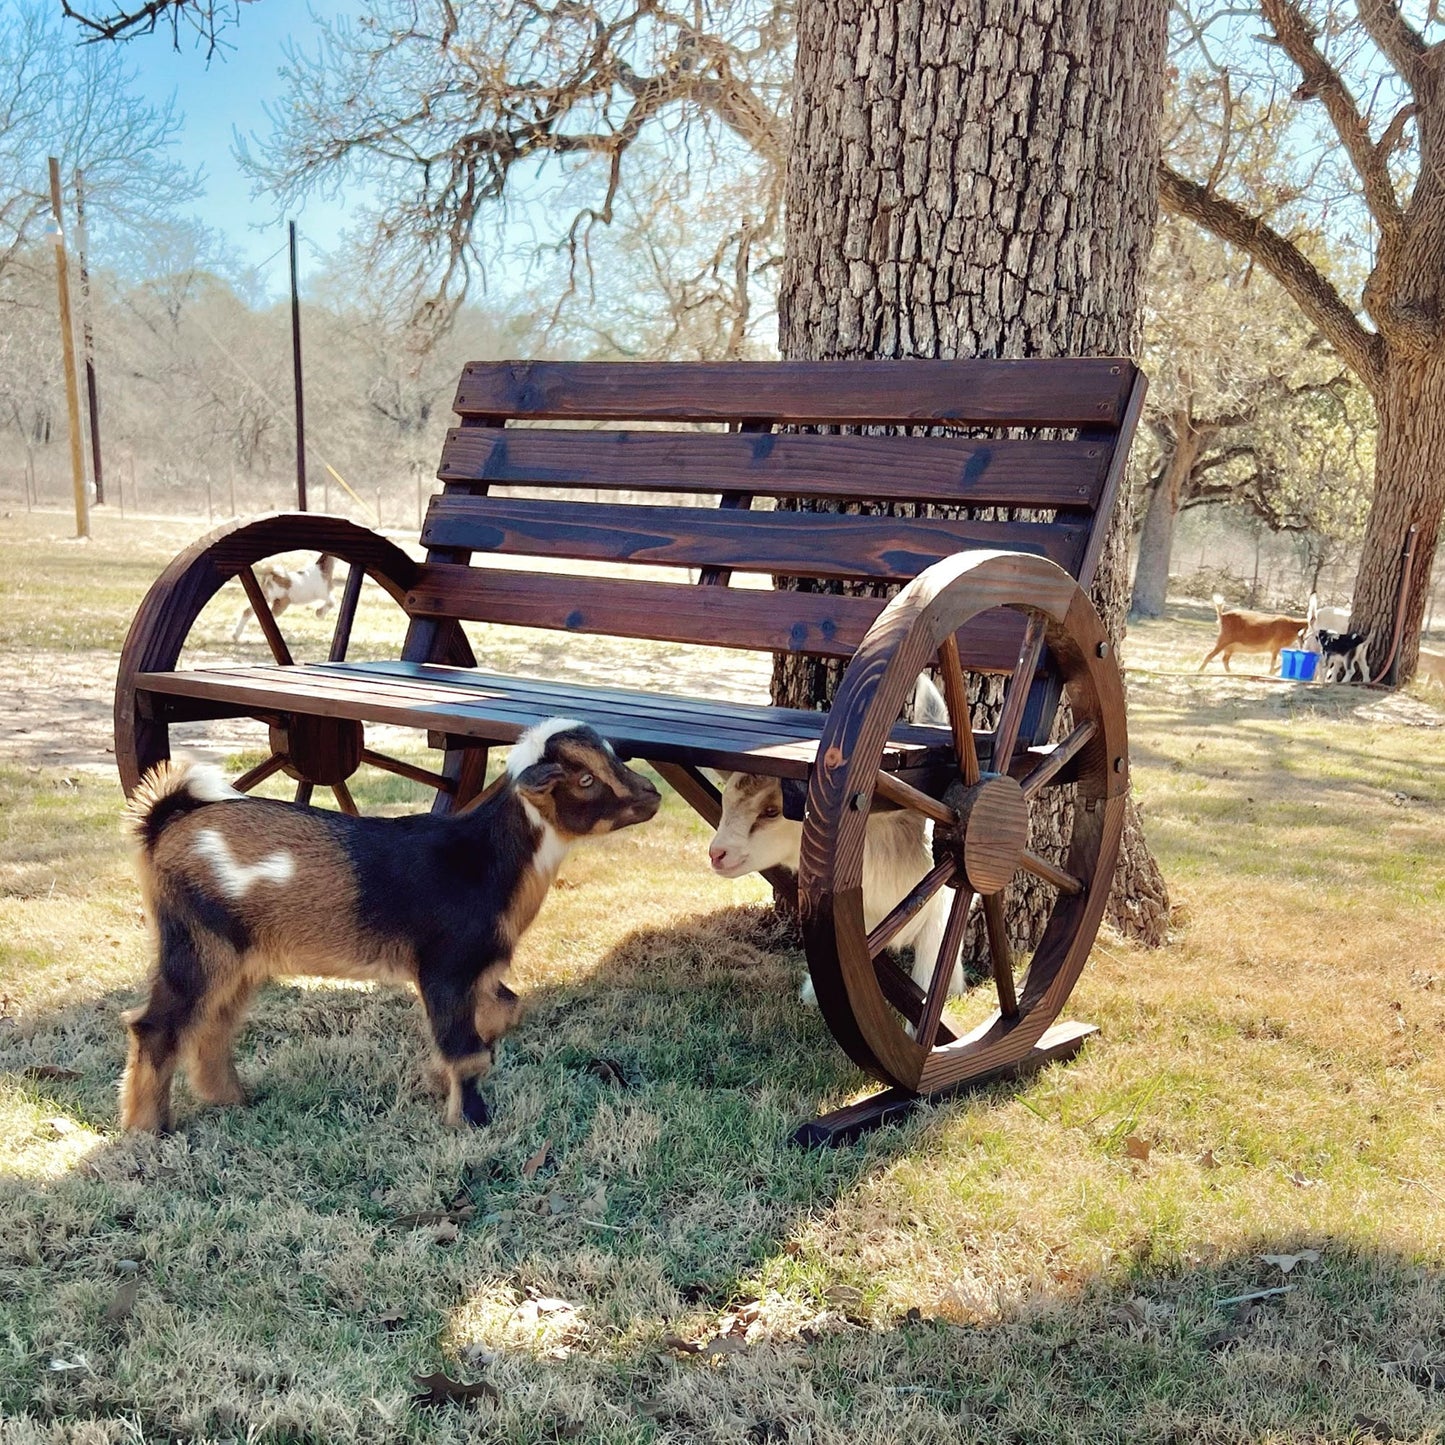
{"x":272,"y":632}
{"x":1006,"y":730}
{"x":402,"y":769}
{"x":1057,"y":758}
{"x":1000,"y":955}
{"x":926,"y":1029}
{"x":344,"y":800}
{"x":904,"y":795}
{"x":465,"y":769}
{"x":1066,"y":392}
{"x":893,"y":1106}
{"x":750,"y":618}
{"x":958,"y":471}
{"x":1063,"y":880}
{"x":498,"y":709}
{"x":796,"y":544}
{"x":346,"y":615}
{"x":1113,"y":479}
{"x":260,"y":772}
{"x":955,"y":695}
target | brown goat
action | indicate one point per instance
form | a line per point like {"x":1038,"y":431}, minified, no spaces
{"x":246,"y":889}
{"x":1243,"y":631}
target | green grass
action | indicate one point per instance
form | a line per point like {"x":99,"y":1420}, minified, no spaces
{"x":999,"y":1268}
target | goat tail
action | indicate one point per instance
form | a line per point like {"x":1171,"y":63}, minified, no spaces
{"x":169,"y":791}
{"x":929,"y":707}
{"x":1219,"y":601}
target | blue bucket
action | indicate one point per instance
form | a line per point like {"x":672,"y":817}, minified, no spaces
{"x":1298,"y":665}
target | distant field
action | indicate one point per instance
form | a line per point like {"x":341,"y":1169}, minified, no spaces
{"x":1061,"y":1261}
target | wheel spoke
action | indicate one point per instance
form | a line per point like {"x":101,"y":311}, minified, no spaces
{"x":408,"y":770}
{"x":341,"y":633}
{"x":1016,"y":698}
{"x":260,"y":772}
{"x":1000,"y":954}
{"x":1061,"y":755}
{"x":262,"y":609}
{"x":303,"y":792}
{"x":923,"y":890}
{"x":344,"y":800}
{"x":1042,"y":868}
{"x":927,"y":1030}
{"x":904,"y":994}
{"x":955,"y":693}
{"x":895,"y":790}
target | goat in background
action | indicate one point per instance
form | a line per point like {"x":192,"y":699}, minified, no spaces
{"x":1241,"y":630}
{"x":284,"y":587}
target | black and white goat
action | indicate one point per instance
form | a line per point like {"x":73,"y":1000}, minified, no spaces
{"x":284,"y":587}
{"x":758,"y":831}
{"x":242,"y":890}
{"x":1342,"y":654}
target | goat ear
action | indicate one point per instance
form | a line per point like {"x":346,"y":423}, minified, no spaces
{"x":1314,"y":608}
{"x":540,"y":778}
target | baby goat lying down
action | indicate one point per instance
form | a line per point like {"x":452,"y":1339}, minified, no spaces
{"x":753,"y":835}
{"x":242,"y":890}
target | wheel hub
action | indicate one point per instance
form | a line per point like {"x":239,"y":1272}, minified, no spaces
{"x":320,"y":750}
{"x":991,"y":833}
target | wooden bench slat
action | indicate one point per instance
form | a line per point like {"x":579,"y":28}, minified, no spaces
{"x":954,"y":470}
{"x":799,"y":544}
{"x":499,"y":709}
{"x":1063,"y":392}
{"x":815,"y":624}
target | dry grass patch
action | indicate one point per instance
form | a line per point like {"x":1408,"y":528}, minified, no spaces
{"x":1059,"y":1261}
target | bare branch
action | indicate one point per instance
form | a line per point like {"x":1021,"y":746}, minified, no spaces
{"x":1360,"y":349}
{"x":1319,"y":80}
{"x":1404,"y":47}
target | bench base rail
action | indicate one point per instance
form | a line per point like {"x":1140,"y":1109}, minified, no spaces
{"x":1059,"y":1042}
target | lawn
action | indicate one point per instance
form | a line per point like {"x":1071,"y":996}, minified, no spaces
{"x":630,"y":1252}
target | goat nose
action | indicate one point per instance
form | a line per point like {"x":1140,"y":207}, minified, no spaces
{"x":716,"y":855}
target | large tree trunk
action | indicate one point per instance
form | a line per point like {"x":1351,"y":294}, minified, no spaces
{"x":1409,"y":488}
{"x":976,"y":178}
{"x":1156,"y":536}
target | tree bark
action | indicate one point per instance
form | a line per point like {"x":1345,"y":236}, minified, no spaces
{"x":1156,"y":536}
{"x":1409,"y":489}
{"x":976,"y":178}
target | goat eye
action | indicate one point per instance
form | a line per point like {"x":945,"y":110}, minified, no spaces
{"x":772,"y":812}
{"x":586,"y":780}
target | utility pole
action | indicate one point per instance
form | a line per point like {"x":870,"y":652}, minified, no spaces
{"x":67,"y":342}
{"x":296,"y":370}
{"x":87,"y":337}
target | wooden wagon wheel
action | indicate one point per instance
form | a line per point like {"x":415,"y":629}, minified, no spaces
{"x":885,"y":1022}
{"x":315,"y":751}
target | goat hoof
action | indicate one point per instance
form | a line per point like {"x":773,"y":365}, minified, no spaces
{"x":475,"y":1109}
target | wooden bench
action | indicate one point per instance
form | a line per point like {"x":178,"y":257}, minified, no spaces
{"x":1041,"y":443}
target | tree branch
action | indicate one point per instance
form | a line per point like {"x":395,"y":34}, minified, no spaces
{"x":1403,"y":46}
{"x":1319,"y":80}
{"x":1360,"y":349}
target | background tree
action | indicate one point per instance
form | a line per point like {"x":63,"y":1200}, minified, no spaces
{"x":976,"y":179}
{"x":1360,"y":84}
{"x":1246,"y":405}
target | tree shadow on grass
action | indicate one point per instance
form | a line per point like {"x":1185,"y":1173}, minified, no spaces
{"x":294,"y":1263}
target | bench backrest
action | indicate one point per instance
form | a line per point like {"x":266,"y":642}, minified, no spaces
{"x":963,"y":449}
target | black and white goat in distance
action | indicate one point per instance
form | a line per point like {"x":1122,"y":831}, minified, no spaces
{"x":756,"y":833}
{"x":242,"y":890}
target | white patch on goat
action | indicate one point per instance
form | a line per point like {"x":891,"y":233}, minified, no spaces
{"x":553,"y":847}
{"x":206,"y":783}
{"x":236,"y":878}
{"x":528,"y":748}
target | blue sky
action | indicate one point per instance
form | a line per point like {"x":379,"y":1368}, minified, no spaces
{"x":229,"y":95}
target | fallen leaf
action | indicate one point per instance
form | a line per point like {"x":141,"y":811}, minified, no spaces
{"x":119,"y":1309}
{"x":530,"y":1168}
{"x":126,"y":1266}
{"x":1207,"y":1160}
{"x":1300,"y":1181}
{"x":62,"y":1126}
{"x":475,"y":1356}
{"x":682,"y":1346}
{"x":49,"y":1071}
{"x":556,"y":1202}
{"x":445,"y":1233}
{"x":1286,"y":1262}
{"x":436,"y":1390}
{"x":725,"y":1345}
{"x":390,"y":1319}
{"x":844,"y":1296}
{"x":1380,"y":1429}
{"x":1135,"y":1147}
{"x":546,"y":1306}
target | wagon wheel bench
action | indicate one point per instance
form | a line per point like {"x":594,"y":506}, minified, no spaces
{"x":1045,"y":442}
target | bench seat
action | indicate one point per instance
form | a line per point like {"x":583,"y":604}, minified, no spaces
{"x":465,"y":703}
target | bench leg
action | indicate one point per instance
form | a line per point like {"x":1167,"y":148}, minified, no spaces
{"x":467,"y":769}
{"x":892,"y":1106}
